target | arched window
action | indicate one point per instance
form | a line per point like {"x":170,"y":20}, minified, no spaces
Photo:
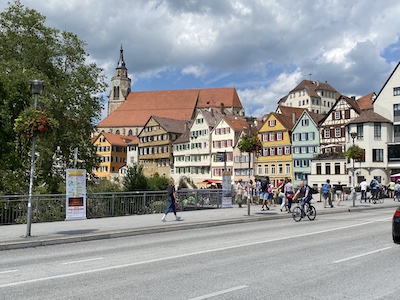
{"x":117,"y":132}
{"x":116,"y":92}
{"x":130,"y":132}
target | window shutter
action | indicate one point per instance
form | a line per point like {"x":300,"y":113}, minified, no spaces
{"x":342,"y":131}
{"x":332,"y":132}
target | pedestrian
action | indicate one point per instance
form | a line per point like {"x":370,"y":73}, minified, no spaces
{"x":339,"y":193}
{"x":281,"y":195}
{"x":172,"y":201}
{"x":391,"y":189}
{"x":264,"y":190}
{"x":258,"y":190}
{"x":327,"y":193}
{"x":271,"y":198}
{"x":363,"y":188}
{"x":289,"y":193}
{"x":251,"y":192}
{"x":239,"y":193}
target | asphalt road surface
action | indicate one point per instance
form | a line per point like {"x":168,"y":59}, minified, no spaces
{"x":337,"y":256}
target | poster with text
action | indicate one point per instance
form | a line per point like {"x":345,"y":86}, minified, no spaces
{"x":226,"y":190}
{"x":76,"y":194}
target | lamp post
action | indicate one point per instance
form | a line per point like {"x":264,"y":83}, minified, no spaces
{"x":37,"y":87}
{"x":353,"y":191}
{"x":250,"y":122}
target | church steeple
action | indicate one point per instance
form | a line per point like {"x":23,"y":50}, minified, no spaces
{"x":121,"y":62}
{"x":120,"y":84}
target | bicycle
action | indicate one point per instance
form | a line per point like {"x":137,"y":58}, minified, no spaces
{"x":310,"y":212}
{"x":377,"y":196}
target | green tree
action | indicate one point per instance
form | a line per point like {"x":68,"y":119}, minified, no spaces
{"x":29,"y":50}
{"x":157,"y":183}
{"x":249,"y":143}
{"x":134,"y":179}
{"x":355,"y":152}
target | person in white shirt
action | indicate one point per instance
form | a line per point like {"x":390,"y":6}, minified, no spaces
{"x":363,"y":188}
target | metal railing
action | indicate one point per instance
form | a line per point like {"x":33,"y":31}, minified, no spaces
{"x":48,"y":208}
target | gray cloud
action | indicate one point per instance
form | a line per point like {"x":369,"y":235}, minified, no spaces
{"x":269,"y":45}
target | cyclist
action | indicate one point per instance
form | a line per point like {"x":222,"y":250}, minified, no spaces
{"x":305,"y":195}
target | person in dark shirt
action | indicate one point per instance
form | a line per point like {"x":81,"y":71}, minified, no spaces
{"x":172,"y":200}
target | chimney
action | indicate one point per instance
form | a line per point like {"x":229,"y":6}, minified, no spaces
{"x":293,"y":117}
{"x":353,"y":97}
{"x":222,"y":108}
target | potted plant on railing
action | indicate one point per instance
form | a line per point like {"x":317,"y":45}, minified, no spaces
{"x":33,"y":123}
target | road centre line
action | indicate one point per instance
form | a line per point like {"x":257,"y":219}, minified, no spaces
{"x":81,"y":261}
{"x":8,"y":271}
{"x":184,"y":255}
{"x":220,"y":292}
{"x":361,"y":255}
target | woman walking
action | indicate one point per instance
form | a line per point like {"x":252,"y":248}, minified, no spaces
{"x":172,"y":200}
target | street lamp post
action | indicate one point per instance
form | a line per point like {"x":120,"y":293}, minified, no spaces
{"x":353,"y":187}
{"x":37,"y":87}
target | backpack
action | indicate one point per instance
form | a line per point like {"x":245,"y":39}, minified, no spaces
{"x":325,"y":189}
{"x":372,"y":184}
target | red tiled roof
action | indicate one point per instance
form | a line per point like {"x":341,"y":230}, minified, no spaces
{"x":365,"y":102}
{"x":117,"y":139}
{"x":369,"y":116}
{"x":172,"y":104}
{"x":312,"y":86}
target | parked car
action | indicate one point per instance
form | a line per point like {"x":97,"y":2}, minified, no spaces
{"x":396,"y":226}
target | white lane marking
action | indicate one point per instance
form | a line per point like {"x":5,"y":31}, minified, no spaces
{"x":81,"y":261}
{"x":360,"y":255}
{"x":8,"y":271}
{"x":220,"y":292}
{"x":183,"y":255}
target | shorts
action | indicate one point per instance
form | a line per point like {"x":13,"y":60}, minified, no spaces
{"x":265,"y":195}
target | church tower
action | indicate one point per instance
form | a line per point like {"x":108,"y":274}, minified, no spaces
{"x":120,"y":85}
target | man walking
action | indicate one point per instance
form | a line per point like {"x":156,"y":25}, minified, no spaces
{"x":239,"y":193}
{"x":363,"y":188}
{"x":264,"y":189}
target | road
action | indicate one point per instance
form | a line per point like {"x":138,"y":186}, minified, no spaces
{"x":337,"y":256}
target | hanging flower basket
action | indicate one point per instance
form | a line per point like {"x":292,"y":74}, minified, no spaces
{"x":33,"y":123}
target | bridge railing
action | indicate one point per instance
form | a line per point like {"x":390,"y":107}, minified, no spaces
{"x":51,"y":207}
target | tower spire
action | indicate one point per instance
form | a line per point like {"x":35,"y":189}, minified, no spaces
{"x":121,"y":62}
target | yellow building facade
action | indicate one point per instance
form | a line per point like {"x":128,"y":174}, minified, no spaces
{"x":275,"y":159}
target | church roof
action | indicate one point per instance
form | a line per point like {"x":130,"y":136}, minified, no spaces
{"x":173,"y":104}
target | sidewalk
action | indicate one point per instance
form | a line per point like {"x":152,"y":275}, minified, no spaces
{"x":13,"y":236}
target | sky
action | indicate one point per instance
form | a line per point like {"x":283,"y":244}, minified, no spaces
{"x":263,"y":48}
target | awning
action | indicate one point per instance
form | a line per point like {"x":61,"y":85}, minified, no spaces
{"x":395,"y":175}
{"x":209,"y":181}
{"x":330,"y":146}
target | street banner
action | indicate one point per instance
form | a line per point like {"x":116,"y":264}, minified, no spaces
{"x":76,"y":194}
{"x":226,"y":190}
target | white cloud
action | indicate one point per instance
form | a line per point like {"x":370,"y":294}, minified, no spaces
{"x":237,"y":41}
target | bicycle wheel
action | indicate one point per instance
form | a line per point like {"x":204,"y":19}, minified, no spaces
{"x":311,"y":213}
{"x":296,"y":214}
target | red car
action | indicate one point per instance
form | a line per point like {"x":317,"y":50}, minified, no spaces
{"x":396,"y":226}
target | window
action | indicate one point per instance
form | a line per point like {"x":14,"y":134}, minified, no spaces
{"x":272,"y":123}
{"x":377,"y":155}
{"x":272,"y":136}
{"x":279,"y":152}
{"x":287,"y":150}
{"x":279,"y":136}
{"x":338,"y":132}
{"x":296,"y":137}
{"x":272,"y":151}
{"x":311,"y":136}
{"x":287,"y":166}
{"x":280,"y":169}
{"x":337,"y":168}
{"x":396,"y":110}
{"x":273,"y":169}
{"x":296,"y":150}
{"x":297,"y":163}
{"x":259,"y":170}
{"x":396,"y":91}
{"x":327,"y":168}
{"x":303,"y":149}
{"x":304,"y":122}
{"x":265,"y":137}
{"x":327,"y":133}
{"x":360,"y":131}
{"x":266,"y":169}
{"x":304,"y":136}
{"x":318,"y":168}
{"x":377,"y":131}
{"x":337,"y":115}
